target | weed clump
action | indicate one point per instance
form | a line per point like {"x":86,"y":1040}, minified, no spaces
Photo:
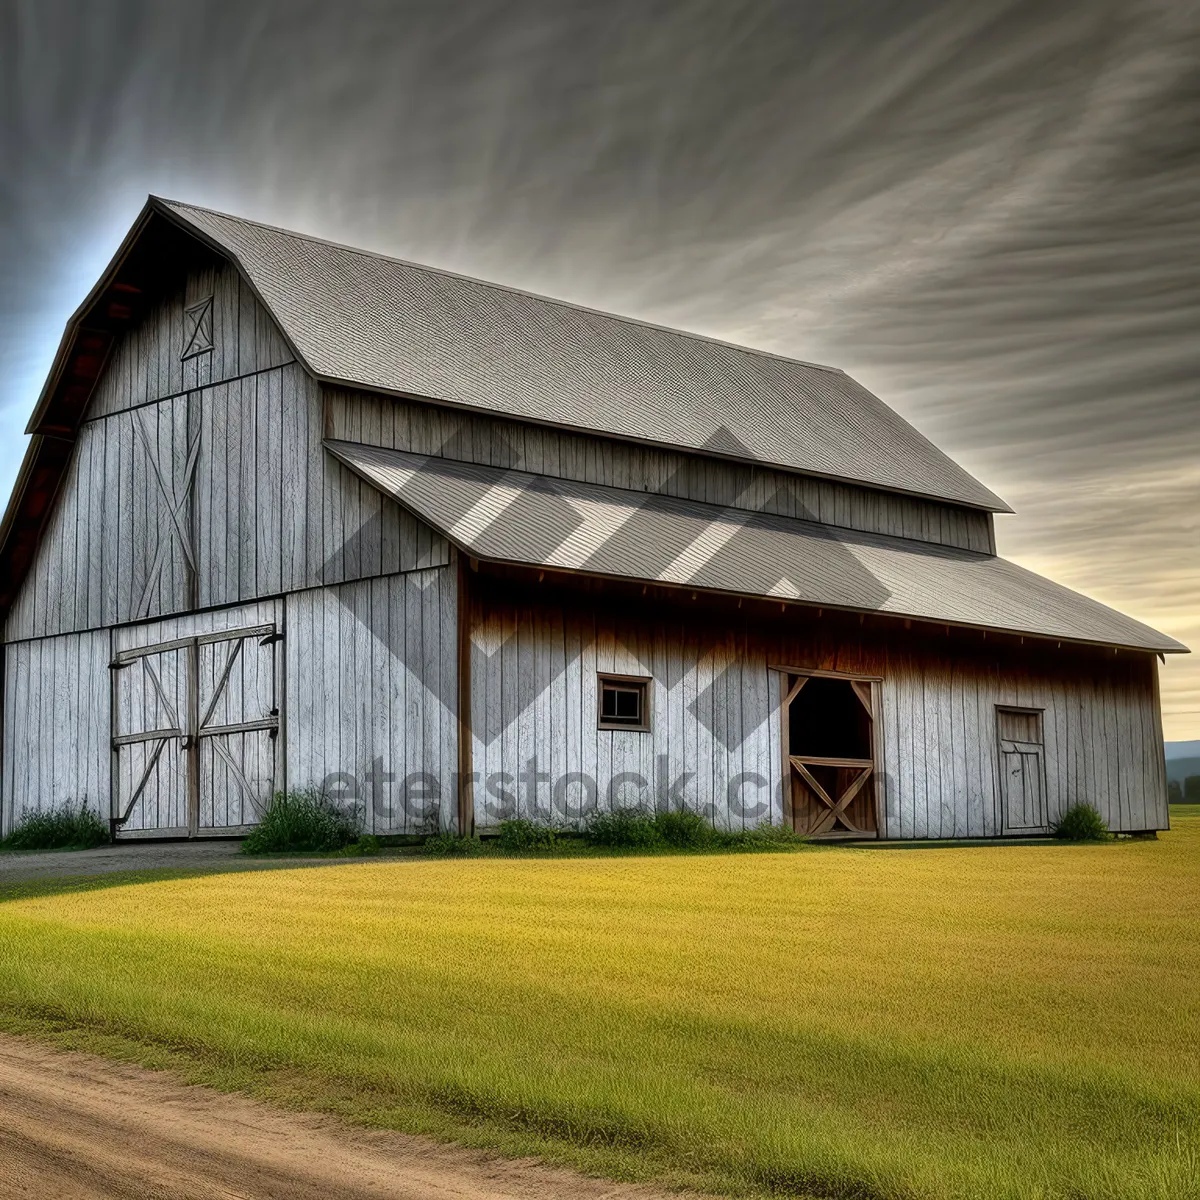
{"x":630,"y":828}
{"x":622,"y":828}
{"x":1081,"y":823}
{"x":64,"y":828}
{"x":366,"y":845}
{"x":519,"y":835}
{"x":764,"y":837}
{"x":301,"y":821}
{"x":681,"y":829}
{"x":450,"y":844}
{"x":684,"y":829}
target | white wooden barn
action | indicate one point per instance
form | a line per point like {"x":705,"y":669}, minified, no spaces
{"x":296,"y":515}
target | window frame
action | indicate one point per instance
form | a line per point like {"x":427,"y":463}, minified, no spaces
{"x":643,"y":682}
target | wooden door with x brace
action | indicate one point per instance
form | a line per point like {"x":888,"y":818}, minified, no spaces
{"x":828,"y":738}
{"x":195,"y":722}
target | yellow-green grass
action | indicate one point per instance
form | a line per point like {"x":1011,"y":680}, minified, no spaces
{"x":985,"y":1021}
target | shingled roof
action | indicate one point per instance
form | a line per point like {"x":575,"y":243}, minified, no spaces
{"x":514,"y":516}
{"x":374,"y":322}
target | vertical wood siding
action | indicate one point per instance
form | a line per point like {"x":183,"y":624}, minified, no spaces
{"x":940,"y":751}
{"x":145,"y":365}
{"x":373,"y":697}
{"x":715,"y":704}
{"x":56,"y":732}
{"x":428,"y":429}
{"x":538,"y":753}
{"x":232,"y":477}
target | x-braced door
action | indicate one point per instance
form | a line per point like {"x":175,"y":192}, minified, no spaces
{"x":829,"y":748}
{"x":149,"y":724}
{"x":195,"y":724}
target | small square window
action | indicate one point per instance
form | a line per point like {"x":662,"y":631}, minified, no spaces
{"x":197,"y":328}
{"x":624,"y":702}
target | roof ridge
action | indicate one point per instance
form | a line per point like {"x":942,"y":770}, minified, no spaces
{"x":505,"y":287}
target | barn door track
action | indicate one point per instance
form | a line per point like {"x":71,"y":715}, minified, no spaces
{"x":77,"y":1127}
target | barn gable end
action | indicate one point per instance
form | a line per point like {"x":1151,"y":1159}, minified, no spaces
{"x":198,"y":481}
{"x":161,"y":355}
{"x":187,"y":490}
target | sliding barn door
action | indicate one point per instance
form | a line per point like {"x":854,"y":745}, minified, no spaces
{"x":195,"y":727}
{"x":149,"y":721}
{"x":238,"y":726}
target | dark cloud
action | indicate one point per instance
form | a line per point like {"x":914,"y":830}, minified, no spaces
{"x":987,"y":211}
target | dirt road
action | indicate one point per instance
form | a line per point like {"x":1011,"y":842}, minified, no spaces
{"x":76,"y":1126}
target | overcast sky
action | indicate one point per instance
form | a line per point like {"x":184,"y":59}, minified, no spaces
{"x":989,"y":212}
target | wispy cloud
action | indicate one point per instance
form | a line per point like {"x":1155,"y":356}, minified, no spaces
{"x":987,"y":212}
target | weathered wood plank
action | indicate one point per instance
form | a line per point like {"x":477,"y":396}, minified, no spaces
{"x":937,"y":752}
{"x":55,"y":738}
{"x":145,"y":364}
{"x":428,"y":429}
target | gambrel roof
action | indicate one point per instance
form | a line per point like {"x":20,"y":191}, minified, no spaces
{"x":514,"y":516}
{"x":380,"y":323}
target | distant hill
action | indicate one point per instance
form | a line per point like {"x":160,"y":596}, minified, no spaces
{"x":1183,"y":760}
{"x":1180,"y":768}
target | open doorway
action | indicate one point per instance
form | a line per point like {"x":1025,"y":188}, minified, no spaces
{"x":829,"y":751}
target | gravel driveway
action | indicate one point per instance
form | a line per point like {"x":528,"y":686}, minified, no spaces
{"x":215,"y":855}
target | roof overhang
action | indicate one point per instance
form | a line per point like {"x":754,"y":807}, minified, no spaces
{"x":515,"y":517}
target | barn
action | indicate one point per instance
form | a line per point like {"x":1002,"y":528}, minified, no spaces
{"x":296,"y":515}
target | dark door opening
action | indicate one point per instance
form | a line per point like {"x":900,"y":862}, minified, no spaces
{"x":828,"y":727}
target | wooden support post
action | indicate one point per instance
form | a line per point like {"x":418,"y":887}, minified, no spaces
{"x":466,"y":790}
{"x":789,"y":813}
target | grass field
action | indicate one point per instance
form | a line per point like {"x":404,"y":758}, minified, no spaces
{"x":976,"y":1021}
